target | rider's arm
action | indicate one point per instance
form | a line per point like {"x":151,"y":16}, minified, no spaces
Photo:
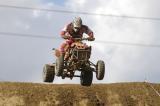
{"x":64,"y":33}
{"x":89,"y":32}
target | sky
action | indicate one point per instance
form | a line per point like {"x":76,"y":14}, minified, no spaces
{"x":22,"y":58}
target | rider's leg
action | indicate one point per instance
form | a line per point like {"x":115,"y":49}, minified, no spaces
{"x":65,"y":45}
{"x":67,"y":48}
{"x":62,"y":48}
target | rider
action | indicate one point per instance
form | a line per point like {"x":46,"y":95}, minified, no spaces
{"x":75,"y":29}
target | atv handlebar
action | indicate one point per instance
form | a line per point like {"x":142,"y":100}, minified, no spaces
{"x":76,"y":39}
{"x":80,"y":39}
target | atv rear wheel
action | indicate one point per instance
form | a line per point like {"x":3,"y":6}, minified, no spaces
{"x":86,"y":78}
{"x":48,"y":73}
{"x":59,"y":65}
{"x":100,"y":70}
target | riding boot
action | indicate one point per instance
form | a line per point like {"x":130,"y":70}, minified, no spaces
{"x":63,"y":54}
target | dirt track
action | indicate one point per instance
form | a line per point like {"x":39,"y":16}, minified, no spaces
{"x":122,"y":94}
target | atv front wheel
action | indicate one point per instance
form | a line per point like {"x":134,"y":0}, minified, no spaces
{"x":48,"y":73}
{"x":86,"y":78}
{"x":100,"y":70}
{"x":59,"y":65}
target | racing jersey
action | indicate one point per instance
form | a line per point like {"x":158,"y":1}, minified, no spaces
{"x":68,"y":30}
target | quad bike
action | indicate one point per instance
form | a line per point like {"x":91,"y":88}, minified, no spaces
{"x":76,"y":58}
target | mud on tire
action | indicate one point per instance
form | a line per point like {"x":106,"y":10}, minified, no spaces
{"x":100,"y":70}
{"x":48,"y":73}
{"x":86,"y":78}
{"x":59,"y":65}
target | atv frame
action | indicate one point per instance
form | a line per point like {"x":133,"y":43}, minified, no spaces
{"x":75,"y":59}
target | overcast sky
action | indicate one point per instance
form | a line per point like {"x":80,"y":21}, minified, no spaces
{"x":22,"y":58}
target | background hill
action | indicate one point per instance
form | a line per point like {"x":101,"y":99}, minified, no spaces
{"x":118,"y":94}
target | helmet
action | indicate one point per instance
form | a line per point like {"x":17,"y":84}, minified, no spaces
{"x":77,"y":23}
